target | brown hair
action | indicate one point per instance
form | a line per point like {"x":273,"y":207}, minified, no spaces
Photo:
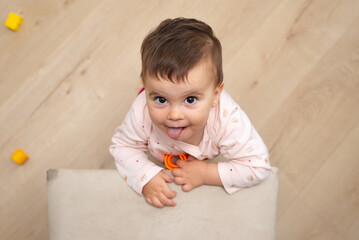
{"x":176,"y":46}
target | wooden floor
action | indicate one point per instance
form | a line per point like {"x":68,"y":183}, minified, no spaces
{"x":69,"y":75}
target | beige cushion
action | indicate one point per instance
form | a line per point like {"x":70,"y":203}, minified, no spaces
{"x":97,"y":204}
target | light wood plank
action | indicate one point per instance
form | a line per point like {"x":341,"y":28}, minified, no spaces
{"x":308,"y":127}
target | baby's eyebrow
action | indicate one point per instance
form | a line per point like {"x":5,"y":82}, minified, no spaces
{"x":189,"y":93}
{"x":196,"y":93}
{"x":153,"y":94}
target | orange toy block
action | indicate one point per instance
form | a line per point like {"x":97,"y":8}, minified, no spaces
{"x":19,"y":156}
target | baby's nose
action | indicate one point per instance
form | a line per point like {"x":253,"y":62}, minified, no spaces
{"x":175,"y":114}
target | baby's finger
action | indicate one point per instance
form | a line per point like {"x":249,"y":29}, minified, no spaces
{"x":157,"y":203}
{"x":170,"y":194}
{"x":177,"y":172}
{"x":167,"y":178}
{"x":187,"y":188}
{"x":149,"y":201}
{"x":179,"y":180}
{"x":180,"y":163}
{"x":167,"y":202}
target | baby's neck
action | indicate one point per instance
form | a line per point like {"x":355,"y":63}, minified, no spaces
{"x":196,"y":140}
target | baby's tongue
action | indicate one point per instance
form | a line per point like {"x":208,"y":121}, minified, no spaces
{"x":174,"y":132}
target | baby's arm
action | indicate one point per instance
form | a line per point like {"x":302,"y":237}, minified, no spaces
{"x":240,"y":143}
{"x":129,"y":145}
{"x":142,"y":175}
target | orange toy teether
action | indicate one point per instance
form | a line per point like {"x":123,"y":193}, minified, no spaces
{"x":169,"y":161}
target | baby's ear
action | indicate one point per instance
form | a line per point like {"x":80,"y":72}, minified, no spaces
{"x":142,"y":83}
{"x":217,"y":93}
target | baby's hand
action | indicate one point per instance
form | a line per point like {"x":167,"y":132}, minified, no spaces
{"x":157,"y":192}
{"x":190,"y":175}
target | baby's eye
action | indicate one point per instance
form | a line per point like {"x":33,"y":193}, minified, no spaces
{"x":160,"y":100}
{"x":191,"y":100}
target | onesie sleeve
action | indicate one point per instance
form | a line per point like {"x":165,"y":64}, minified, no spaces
{"x":239,"y":142}
{"x":129,"y":145}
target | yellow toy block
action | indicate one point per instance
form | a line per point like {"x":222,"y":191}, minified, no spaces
{"x":13,"y":21}
{"x":19,"y":156}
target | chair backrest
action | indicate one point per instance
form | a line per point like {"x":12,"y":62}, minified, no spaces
{"x":97,"y":204}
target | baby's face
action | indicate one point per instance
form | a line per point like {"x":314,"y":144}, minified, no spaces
{"x":181,"y":110}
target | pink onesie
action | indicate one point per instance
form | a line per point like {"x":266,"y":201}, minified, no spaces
{"x":228,"y":131}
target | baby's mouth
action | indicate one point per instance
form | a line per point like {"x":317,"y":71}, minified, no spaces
{"x":174,"y":132}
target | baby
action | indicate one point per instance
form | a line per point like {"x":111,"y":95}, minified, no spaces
{"x":184,"y":110}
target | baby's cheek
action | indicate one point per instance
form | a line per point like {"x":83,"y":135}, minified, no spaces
{"x":200,"y":118}
{"x":156,"y":116}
